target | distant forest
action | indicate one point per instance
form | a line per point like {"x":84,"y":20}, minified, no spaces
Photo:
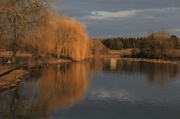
{"x":160,"y":44}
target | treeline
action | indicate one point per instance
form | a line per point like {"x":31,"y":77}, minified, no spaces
{"x":160,"y":45}
{"x":34,"y":26}
{"x":120,"y":43}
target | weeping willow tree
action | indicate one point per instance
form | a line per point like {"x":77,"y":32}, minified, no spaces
{"x":63,"y":36}
{"x":78,"y":45}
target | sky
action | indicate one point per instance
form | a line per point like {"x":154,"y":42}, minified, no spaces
{"x":124,"y":18}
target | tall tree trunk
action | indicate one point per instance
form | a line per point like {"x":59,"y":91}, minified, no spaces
{"x":58,"y":51}
{"x":14,"y":45}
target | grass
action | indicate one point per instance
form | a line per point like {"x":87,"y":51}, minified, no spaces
{"x":126,"y":52}
{"x":11,"y":80}
{"x":9,"y":54}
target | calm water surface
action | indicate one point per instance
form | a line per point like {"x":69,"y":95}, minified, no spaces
{"x":96,"y":89}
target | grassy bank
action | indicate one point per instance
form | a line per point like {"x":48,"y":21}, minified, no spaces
{"x":12,"y":78}
{"x":11,"y":74}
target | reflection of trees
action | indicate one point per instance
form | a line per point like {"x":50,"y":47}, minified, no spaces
{"x":12,"y":106}
{"x":62,"y":86}
{"x":57,"y":87}
{"x":53,"y":87}
{"x":161,"y":74}
{"x":97,"y":64}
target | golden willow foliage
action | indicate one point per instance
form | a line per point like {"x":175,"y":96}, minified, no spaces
{"x":63,"y":36}
{"x":80,"y":42}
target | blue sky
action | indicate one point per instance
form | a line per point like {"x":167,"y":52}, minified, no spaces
{"x":124,"y":18}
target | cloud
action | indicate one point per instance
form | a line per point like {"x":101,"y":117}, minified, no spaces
{"x":151,"y":13}
{"x":176,"y":30}
{"x":100,"y":15}
{"x":124,"y":18}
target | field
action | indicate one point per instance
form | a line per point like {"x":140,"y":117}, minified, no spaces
{"x":120,"y":53}
{"x":9,"y":54}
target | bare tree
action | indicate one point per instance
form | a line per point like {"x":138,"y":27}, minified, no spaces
{"x":157,"y":44}
{"x":162,"y":37}
{"x":19,"y":20}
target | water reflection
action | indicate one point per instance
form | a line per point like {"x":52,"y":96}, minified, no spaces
{"x":97,"y":65}
{"x":161,"y":74}
{"x":46,"y":90}
{"x":64,"y":86}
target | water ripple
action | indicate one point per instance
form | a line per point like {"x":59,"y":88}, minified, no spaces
{"x":120,"y":95}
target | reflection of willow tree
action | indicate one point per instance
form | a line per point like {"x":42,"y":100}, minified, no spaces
{"x":161,"y":74}
{"x":62,"y":86}
{"x":59,"y":87}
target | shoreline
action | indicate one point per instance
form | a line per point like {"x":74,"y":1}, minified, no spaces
{"x":151,"y":60}
{"x":12,"y":79}
{"x":140,"y":59}
{"x":12,"y":74}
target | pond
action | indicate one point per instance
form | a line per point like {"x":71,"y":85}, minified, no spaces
{"x":96,"y":89}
